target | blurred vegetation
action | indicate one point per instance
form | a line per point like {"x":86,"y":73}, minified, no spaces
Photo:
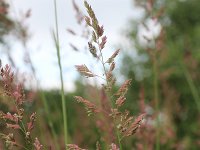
{"x":178,"y":68}
{"x":12,"y":29}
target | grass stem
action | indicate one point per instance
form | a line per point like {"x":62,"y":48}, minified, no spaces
{"x":192,"y":86}
{"x":50,"y":123}
{"x":57,"y":43}
{"x":105,"y":72}
{"x":156,"y":98}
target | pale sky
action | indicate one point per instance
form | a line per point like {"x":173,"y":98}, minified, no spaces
{"x":113,"y":14}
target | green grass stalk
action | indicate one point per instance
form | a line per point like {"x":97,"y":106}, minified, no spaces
{"x":192,"y":86}
{"x":112,"y":102}
{"x":50,"y":123}
{"x":57,"y":44}
{"x":156,"y":98}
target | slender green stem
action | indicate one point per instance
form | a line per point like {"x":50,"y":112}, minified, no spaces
{"x":119,"y":140}
{"x":105,"y":72}
{"x":155,"y":82}
{"x":23,"y":127}
{"x":192,"y":86}
{"x":156,"y":98}
{"x":50,"y":123}
{"x":61,"y":76}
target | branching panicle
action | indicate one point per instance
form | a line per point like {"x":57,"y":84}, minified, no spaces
{"x":15,"y":121}
{"x":125,"y":125}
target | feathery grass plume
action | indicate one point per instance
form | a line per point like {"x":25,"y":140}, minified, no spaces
{"x":15,"y":121}
{"x":124,"y":125}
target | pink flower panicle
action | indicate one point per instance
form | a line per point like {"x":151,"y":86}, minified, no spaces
{"x":10,"y":89}
{"x":125,"y":124}
{"x":15,"y":120}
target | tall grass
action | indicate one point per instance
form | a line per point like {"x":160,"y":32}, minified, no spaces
{"x":156,"y":97}
{"x":124,"y":125}
{"x":57,"y":44}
